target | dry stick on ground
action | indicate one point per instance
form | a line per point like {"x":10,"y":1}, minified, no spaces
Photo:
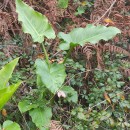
{"x":4,"y":5}
{"x":109,"y":9}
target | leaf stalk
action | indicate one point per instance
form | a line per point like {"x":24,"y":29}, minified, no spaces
{"x":46,"y":55}
{"x":68,"y":54}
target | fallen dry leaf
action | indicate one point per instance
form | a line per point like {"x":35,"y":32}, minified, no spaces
{"x":107,"y":97}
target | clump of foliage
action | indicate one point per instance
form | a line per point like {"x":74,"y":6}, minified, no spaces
{"x":53,"y":72}
{"x":61,"y":91}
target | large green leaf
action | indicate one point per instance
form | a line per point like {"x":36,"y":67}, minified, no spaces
{"x":6,"y":93}
{"x":52,"y":77}
{"x":6,"y":72}
{"x":34,"y":22}
{"x":41,"y":117}
{"x":90,"y":33}
{"x":10,"y":125}
{"x":26,"y":105}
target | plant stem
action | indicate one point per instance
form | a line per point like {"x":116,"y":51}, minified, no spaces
{"x":46,"y":55}
{"x":68,"y":54}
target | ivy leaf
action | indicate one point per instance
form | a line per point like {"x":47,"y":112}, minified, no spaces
{"x":34,"y":22}
{"x":52,"y":77}
{"x":63,"y":3}
{"x":6,"y":73}
{"x":71,"y":94}
{"x":80,"y":10}
{"x":90,"y":33}
{"x":105,"y":115}
{"x":41,"y":117}
{"x":81,"y":116}
{"x":6,"y":93}
{"x":10,"y":125}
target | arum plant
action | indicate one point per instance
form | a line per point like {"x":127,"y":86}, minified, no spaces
{"x":51,"y":76}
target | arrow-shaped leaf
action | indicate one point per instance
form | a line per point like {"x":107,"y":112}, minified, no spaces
{"x":90,"y":33}
{"x":52,"y":77}
{"x":34,"y":22}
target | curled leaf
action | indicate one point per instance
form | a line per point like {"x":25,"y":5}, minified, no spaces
{"x":109,"y":21}
{"x":4,"y":112}
{"x":61,"y":94}
{"x":107,"y":97}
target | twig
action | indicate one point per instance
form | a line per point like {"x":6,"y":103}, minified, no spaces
{"x":106,"y":12}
